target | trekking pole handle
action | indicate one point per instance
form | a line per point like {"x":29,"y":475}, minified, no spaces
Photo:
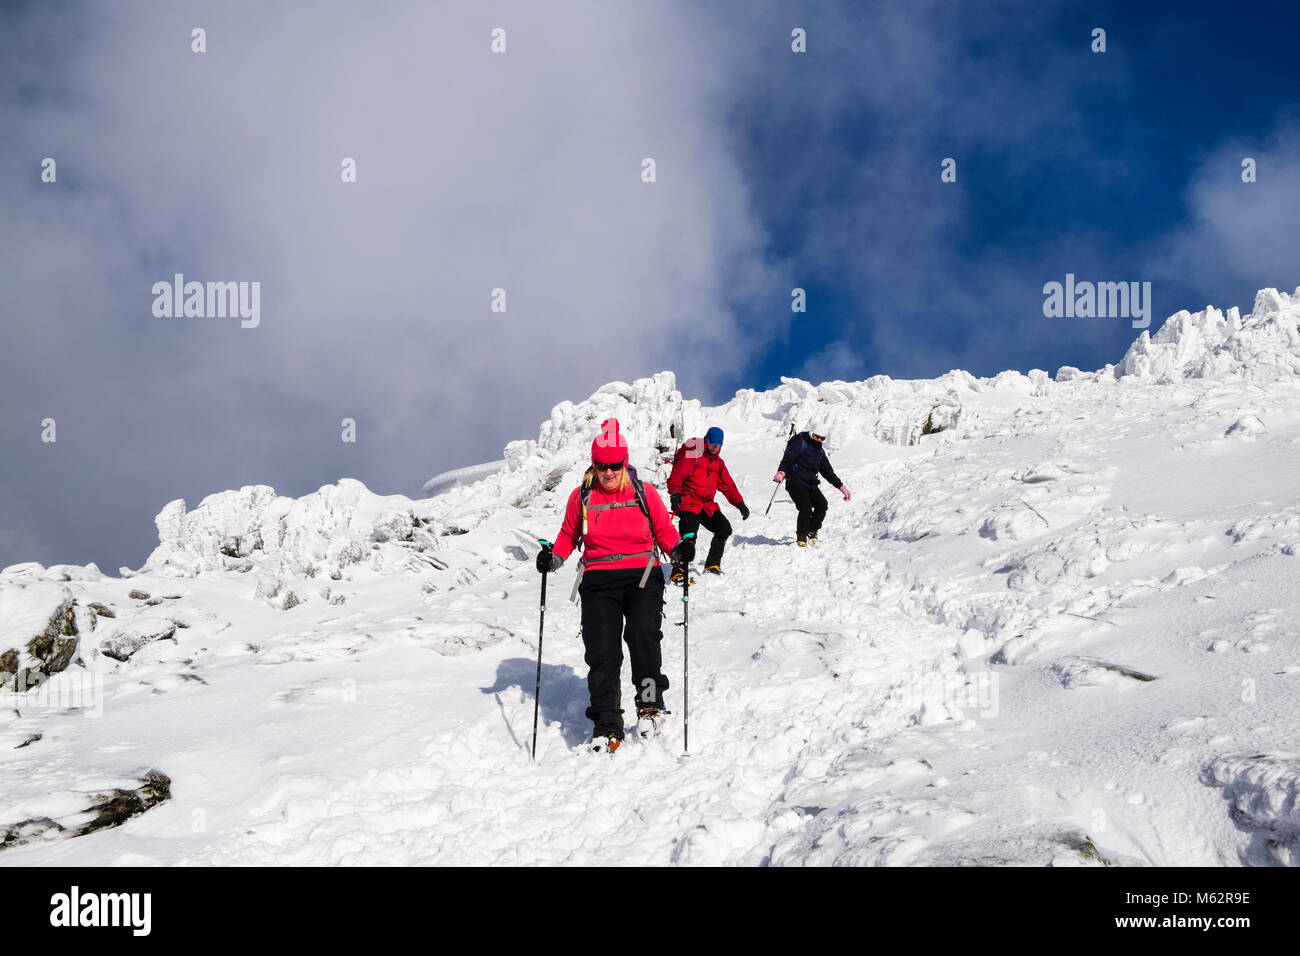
{"x":541,"y":627}
{"x":686,"y":578}
{"x":546,"y":546}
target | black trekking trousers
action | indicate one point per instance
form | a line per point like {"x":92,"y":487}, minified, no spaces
{"x":717,"y":523}
{"x":812,"y":508}
{"x":615,"y":610}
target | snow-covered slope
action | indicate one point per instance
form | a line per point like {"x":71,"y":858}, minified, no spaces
{"x":1056,"y":624}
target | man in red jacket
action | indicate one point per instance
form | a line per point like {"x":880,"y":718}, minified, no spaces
{"x":698,"y":474}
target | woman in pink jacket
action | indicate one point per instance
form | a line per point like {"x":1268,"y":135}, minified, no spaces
{"x":623,"y":527}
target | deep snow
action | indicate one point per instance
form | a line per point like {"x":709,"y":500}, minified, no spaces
{"x":1059,"y":630}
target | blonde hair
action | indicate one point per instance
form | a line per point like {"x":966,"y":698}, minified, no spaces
{"x":589,"y":478}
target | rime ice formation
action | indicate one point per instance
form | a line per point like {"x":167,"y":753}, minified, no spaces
{"x":1056,"y":624}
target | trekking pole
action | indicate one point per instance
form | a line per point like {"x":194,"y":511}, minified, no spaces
{"x":537,"y":692}
{"x":773,"y":498}
{"x":686,"y":658}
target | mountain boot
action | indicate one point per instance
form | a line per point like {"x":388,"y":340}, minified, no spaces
{"x":650,"y":720}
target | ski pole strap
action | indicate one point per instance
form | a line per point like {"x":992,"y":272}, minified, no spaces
{"x":582,"y":566}
{"x":645,"y":575}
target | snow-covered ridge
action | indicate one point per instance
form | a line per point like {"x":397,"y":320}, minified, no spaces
{"x":290,"y":541}
{"x":338,"y":525}
{"x":1055,"y":624}
{"x":891,"y":411}
{"x":1263,"y":347}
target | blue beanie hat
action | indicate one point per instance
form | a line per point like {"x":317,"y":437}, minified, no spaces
{"x":713,"y":436}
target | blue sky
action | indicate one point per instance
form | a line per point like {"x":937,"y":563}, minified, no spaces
{"x":1123,"y":165}
{"x":522,"y":170}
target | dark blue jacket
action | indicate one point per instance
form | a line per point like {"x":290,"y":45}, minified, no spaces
{"x":804,"y":460}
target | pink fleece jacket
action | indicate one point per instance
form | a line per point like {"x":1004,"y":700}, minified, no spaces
{"x":616,"y":530}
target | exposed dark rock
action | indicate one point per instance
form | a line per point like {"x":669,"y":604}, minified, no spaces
{"x":930,"y":428}
{"x":138,"y":594}
{"x":117,"y":806}
{"x":1083,"y":844}
{"x":29,"y":831}
{"x":552,"y":480}
{"x":1089,"y":671}
{"x":46,"y":654}
{"x":241,"y":546}
{"x":109,"y":809}
{"x":53,"y":653}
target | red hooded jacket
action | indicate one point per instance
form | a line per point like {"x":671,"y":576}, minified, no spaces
{"x":697,"y":476}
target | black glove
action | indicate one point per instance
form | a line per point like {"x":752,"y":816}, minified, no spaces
{"x":676,"y":501}
{"x":547,"y":560}
{"x":744,"y":511}
{"x":684,"y":552}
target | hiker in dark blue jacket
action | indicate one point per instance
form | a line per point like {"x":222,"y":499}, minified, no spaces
{"x":804,"y":460}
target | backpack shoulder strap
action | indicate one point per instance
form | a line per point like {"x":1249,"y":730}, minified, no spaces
{"x":584,"y":495}
{"x":638,"y":492}
{"x":638,"y":487}
{"x":803,"y":446}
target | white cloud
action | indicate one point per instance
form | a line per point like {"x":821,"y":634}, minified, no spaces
{"x":476,"y":170}
{"x":1238,"y":234}
{"x":837,"y":360}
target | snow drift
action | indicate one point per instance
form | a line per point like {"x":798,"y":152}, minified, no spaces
{"x":1055,"y":625}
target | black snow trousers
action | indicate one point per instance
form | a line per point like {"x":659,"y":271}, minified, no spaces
{"x":615,"y":610}
{"x":716,"y":523}
{"x":812,"y":508}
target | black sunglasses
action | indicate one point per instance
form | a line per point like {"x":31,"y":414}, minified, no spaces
{"x":618,"y":467}
{"x":817,"y":437}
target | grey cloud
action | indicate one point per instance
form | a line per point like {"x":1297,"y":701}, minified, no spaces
{"x":476,"y":171}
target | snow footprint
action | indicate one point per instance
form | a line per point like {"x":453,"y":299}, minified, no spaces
{"x":1189,"y":725}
